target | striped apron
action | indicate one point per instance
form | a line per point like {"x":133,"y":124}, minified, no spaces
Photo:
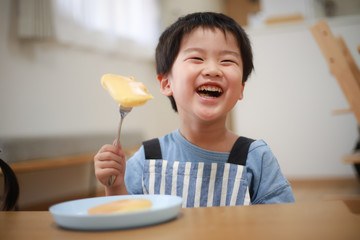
{"x":200,"y":184}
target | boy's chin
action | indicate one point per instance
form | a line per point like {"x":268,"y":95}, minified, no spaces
{"x":211,"y":114}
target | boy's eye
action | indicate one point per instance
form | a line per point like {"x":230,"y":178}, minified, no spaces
{"x":196,"y":58}
{"x":228,"y":61}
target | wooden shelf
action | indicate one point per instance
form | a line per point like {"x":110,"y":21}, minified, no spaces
{"x":66,"y":161}
{"x":44,"y":164}
{"x":352,"y":158}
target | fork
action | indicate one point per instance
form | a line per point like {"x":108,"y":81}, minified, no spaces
{"x":123,"y":112}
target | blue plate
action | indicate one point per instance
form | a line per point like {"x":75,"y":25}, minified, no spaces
{"x":73,"y":214}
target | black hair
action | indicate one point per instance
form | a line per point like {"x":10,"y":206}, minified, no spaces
{"x":11,"y":187}
{"x":170,"y":40}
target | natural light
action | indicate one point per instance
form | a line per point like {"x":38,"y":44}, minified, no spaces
{"x":136,"y":20}
{"x":120,"y":27}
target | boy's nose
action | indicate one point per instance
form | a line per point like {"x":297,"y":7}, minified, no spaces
{"x":212,"y":70}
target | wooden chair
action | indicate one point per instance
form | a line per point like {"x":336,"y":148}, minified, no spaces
{"x":346,"y":72}
{"x":11,"y":188}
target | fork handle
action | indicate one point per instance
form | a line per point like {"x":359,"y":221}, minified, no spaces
{"x":118,"y":134}
{"x":112,"y":178}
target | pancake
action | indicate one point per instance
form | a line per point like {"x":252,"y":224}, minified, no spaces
{"x":125,"y":90}
{"x":121,"y":206}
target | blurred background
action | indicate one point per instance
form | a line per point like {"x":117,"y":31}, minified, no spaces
{"x":52,"y":105}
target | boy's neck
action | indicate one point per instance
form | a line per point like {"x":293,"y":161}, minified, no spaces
{"x":213,"y":137}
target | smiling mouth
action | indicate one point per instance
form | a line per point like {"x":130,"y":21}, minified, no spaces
{"x":209,"y":91}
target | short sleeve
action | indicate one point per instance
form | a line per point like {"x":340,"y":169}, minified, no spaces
{"x":267,"y":184}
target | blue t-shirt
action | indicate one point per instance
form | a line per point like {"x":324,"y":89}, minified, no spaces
{"x":266,"y":183}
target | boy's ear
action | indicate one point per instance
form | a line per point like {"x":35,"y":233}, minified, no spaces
{"x":242,"y":91}
{"x":165,"y":85}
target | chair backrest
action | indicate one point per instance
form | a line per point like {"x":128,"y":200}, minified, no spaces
{"x":11,"y":188}
{"x":341,"y":63}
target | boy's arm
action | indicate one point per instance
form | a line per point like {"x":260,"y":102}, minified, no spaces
{"x":267,"y":183}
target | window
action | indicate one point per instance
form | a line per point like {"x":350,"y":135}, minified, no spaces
{"x":120,"y":26}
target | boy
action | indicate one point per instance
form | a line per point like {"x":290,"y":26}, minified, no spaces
{"x":203,"y":61}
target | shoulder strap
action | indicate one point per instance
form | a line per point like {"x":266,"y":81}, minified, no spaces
{"x":239,"y":151}
{"x":238,"y":154}
{"x":152,"y":149}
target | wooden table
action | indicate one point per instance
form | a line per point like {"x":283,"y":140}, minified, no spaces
{"x":307,"y":220}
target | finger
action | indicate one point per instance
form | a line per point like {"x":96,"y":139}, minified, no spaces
{"x":104,"y":174}
{"x":109,"y":156}
{"x":117,"y":164}
{"x":115,"y":143}
{"x":109,"y":149}
{"x":110,"y":164}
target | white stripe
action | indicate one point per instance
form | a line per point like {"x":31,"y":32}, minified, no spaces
{"x":198,"y":184}
{"x":163,"y":176}
{"x":151,"y":177}
{"x":224,"y":184}
{"x":247,"y":197}
{"x":143,"y":186}
{"x":236,"y":185}
{"x":174,"y":178}
{"x":186,"y":183}
{"x":210,"y":197}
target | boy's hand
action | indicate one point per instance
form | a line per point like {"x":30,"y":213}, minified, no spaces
{"x":110,"y":161}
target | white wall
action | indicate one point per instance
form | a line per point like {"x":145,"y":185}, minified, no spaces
{"x":171,"y":10}
{"x":51,"y":89}
{"x":48,"y":89}
{"x":290,"y":98}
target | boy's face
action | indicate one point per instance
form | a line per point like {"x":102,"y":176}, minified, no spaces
{"x":206,"y":77}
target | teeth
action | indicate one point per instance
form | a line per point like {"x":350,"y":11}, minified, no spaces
{"x":210,"y":88}
{"x":209,"y":91}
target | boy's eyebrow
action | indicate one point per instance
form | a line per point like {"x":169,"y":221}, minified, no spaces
{"x":202,"y":50}
{"x":231,"y":53}
{"x":194,"y":50}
